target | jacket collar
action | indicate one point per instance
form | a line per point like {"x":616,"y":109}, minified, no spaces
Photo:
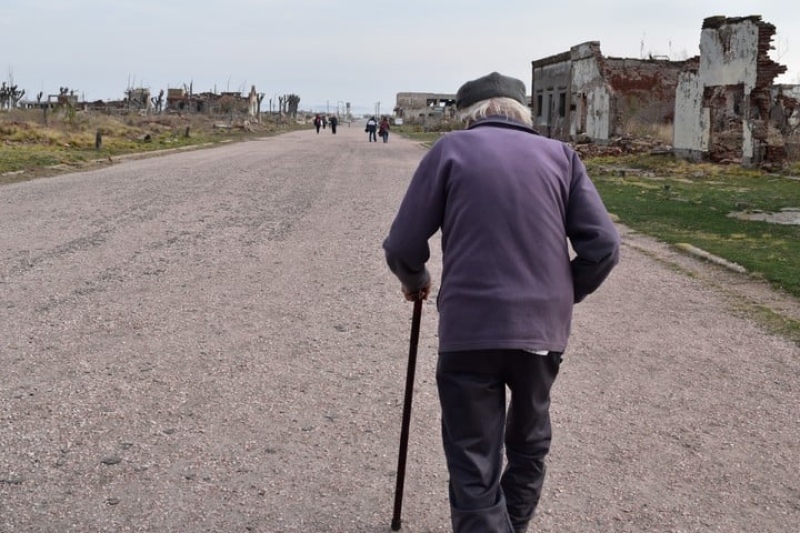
{"x":499,"y":121}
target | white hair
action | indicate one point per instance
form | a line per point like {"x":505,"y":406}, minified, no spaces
{"x":507,"y":107}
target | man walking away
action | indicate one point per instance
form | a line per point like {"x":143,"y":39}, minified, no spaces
{"x":508,"y":202}
{"x":371,"y":128}
{"x":334,"y":123}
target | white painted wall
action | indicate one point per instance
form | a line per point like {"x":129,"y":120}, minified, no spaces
{"x":739,"y":64}
{"x":688,"y":132}
{"x":598,"y":120}
{"x":728,"y":56}
{"x":586,"y":79}
{"x":747,"y":142}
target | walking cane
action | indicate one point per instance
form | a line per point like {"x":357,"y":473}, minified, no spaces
{"x":401,"y":461}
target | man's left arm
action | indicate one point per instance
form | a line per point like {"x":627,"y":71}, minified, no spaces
{"x":591,"y":232}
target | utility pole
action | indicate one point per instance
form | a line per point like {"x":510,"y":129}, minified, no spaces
{"x":378,"y":108}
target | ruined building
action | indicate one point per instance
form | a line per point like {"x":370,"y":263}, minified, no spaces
{"x":727,"y":108}
{"x":184,"y":100}
{"x":581,"y":93}
{"x":412,"y":106}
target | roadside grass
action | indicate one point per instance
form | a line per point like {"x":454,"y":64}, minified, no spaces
{"x":680,"y":202}
{"x":426,"y":138}
{"x":424,"y":135}
{"x":773,"y":321}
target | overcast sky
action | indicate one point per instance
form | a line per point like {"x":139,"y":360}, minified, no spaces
{"x":331,"y":51}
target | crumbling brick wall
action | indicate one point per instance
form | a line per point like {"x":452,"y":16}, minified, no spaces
{"x":582,"y":94}
{"x":643,"y":92}
{"x":726,"y":125}
{"x":748,"y":110}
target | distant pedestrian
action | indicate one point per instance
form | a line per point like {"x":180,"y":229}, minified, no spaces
{"x":324,"y":121}
{"x":334,"y":123}
{"x":372,"y":126}
{"x":383,"y":129}
{"x":317,"y":123}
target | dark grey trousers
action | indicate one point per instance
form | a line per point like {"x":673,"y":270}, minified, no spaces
{"x":476,"y":429}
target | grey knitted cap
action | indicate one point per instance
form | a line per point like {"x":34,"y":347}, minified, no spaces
{"x":493,"y":85}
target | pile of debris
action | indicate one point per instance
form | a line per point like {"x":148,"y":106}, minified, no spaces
{"x":621,"y":146}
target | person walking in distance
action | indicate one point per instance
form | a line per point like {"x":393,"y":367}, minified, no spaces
{"x":317,"y":123}
{"x":371,"y":128}
{"x":383,"y":129}
{"x":508,"y":202}
{"x":334,"y":123}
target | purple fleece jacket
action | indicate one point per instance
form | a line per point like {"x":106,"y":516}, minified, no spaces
{"x":507,"y":202}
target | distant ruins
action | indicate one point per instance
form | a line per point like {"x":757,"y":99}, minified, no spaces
{"x":721,"y":106}
{"x":176,"y":100}
{"x":424,"y":106}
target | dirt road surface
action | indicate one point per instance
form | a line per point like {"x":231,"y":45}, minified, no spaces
{"x":210,"y":341}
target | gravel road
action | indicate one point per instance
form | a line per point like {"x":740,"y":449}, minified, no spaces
{"x":209,"y":341}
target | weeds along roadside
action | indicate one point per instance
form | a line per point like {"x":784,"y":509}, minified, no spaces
{"x":708,"y":206}
{"x":34,"y":145}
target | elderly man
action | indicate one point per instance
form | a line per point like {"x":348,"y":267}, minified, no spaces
{"x":508,"y":203}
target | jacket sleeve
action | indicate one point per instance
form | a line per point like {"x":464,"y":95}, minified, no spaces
{"x":419,"y":217}
{"x":591,"y":232}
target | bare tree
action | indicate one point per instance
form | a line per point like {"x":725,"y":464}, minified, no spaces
{"x":158,"y":103}
{"x":260,"y":99}
{"x":16,"y":95}
{"x":294,"y":102}
{"x":10,"y":95}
